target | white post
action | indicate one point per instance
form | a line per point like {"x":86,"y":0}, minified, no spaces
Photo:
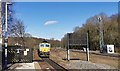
{"x":68,"y":55}
{"x":87,"y":54}
{"x":87,"y":50}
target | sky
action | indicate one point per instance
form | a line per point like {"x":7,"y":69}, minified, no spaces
{"x":55,"y":19}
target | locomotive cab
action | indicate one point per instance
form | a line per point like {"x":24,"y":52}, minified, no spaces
{"x":44,"y":49}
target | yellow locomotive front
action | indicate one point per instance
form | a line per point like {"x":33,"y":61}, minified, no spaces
{"x":44,"y":49}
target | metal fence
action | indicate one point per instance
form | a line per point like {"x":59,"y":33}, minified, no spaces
{"x":17,"y":54}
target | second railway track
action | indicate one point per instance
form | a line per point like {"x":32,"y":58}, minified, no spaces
{"x":103,"y":54}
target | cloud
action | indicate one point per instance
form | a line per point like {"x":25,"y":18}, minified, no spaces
{"x":50,"y":22}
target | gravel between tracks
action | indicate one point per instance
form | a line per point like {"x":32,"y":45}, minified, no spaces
{"x":87,"y":65}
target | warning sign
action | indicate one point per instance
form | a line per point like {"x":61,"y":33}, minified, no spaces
{"x":25,"y":53}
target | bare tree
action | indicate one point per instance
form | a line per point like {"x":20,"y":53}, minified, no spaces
{"x":18,"y":31}
{"x":110,"y":31}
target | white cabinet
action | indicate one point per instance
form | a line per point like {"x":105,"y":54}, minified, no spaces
{"x":110,"y":48}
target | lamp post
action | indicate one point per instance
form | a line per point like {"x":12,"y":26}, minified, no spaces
{"x":6,"y":33}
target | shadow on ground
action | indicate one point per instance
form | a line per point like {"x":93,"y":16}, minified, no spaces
{"x":71,"y":59}
{"x":38,"y":60}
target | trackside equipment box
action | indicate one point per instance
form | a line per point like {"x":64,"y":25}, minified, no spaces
{"x":108,"y":49}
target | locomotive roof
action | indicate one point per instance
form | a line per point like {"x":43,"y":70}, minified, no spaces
{"x":44,"y":41}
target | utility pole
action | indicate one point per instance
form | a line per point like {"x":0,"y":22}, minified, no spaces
{"x":101,"y":33}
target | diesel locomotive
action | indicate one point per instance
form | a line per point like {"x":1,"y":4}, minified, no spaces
{"x":44,"y":49}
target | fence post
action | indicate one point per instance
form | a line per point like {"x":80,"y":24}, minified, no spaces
{"x":68,"y":48}
{"x":68,"y":51}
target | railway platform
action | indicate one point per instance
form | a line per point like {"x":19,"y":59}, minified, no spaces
{"x":53,"y":63}
{"x":21,"y":66}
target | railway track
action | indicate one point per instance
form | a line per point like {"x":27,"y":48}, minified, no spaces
{"x":56,"y":66}
{"x":103,"y":54}
{"x":47,"y":64}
